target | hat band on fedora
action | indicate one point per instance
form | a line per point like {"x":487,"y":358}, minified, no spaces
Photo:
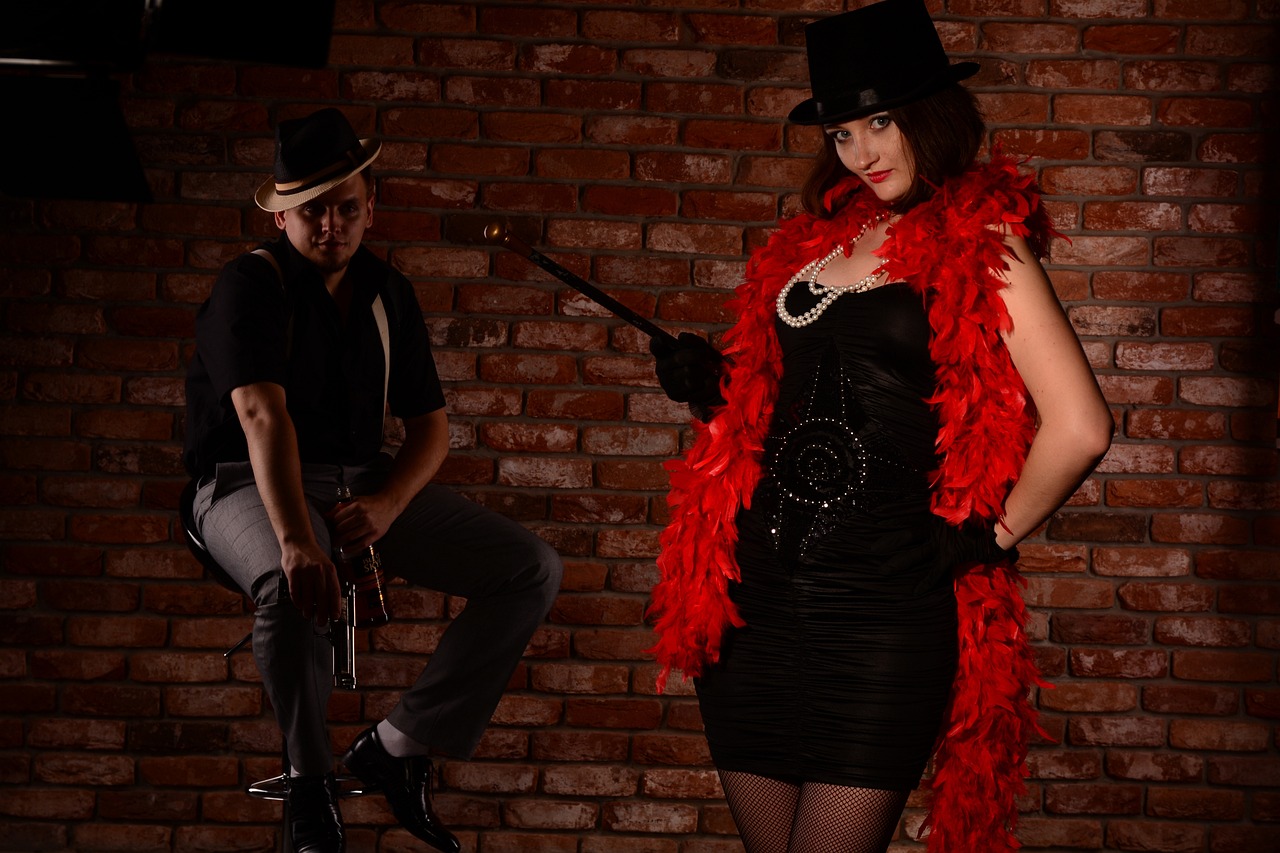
{"x":291,"y":187}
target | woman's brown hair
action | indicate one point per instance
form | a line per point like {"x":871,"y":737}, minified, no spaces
{"x":943,"y":132}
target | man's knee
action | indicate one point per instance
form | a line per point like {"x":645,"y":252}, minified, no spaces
{"x":548,"y":569}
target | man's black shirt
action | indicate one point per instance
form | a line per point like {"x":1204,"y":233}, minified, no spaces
{"x":256,"y":328}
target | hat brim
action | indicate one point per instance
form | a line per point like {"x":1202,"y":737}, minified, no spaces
{"x":838,"y":110}
{"x":268,"y":199}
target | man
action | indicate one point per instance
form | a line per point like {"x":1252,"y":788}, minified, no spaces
{"x":301,"y":347}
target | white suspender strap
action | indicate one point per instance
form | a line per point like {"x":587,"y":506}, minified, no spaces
{"x":271,"y":259}
{"x":380,"y":317}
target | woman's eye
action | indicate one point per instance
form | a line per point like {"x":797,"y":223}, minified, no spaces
{"x":881,"y":121}
{"x":839,"y":135}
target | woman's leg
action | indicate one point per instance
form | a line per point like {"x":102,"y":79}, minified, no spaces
{"x":842,"y":819}
{"x":763,"y":809}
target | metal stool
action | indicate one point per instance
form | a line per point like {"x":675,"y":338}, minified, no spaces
{"x":274,"y":787}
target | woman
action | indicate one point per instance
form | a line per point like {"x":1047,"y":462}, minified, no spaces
{"x":875,"y":439}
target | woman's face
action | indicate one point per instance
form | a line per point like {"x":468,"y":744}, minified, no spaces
{"x":874,"y":150}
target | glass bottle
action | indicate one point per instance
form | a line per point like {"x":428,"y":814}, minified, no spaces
{"x":362,"y":569}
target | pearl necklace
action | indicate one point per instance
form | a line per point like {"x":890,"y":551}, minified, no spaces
{"x":813,"y":269}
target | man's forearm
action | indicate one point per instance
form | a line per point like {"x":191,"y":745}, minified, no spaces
{"x":425,"y":447}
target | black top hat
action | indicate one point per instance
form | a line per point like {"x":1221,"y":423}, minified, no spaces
{"x":313,"y":155}
{"x":874,"y":58}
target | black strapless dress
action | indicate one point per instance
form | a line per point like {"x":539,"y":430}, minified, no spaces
{"x":842,"y":673}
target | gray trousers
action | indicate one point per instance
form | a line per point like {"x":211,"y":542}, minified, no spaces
{"x":443,"y":541}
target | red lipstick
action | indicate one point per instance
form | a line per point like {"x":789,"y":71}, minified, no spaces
{"x":877,"y":177}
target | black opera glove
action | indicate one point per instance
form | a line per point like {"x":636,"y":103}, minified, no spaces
{"x":689,"y":372}
{"x":959,"y":546}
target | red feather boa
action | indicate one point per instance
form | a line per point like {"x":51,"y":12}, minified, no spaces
{"x":946,"y":248}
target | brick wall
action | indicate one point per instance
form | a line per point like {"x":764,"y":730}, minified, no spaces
{"x":643,"y":143}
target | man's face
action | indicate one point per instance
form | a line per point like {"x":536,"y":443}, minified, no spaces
{"x":328,"y":229}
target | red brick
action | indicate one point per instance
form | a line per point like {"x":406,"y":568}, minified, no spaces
{"x":579,"y":745}
{"x":1244,"y":496}
{"x":1021,"y":37}
{"x":591,"y":95}
{"x":568,"y":59}
{"x":1232,"y":148}
{"x":1150,"y":390}
{"x":1225,"y":391}
{"x":1094,"y":181}
{"x":1251,"y":772}
{"x":1175,"y":424}
{"x":660,"y":818}
{"x":1152,"y":835}
{"x":1113,"y":321}
{"x":1201,"y":528}
{"x":577,"y":405}
{"x":1224,"y":218}
{"x":630,"y":200}
{"x":613,"y":713}
{"x":1243,"y":839}
{"x":1219,"y":735}
{"x":86,"y":770}
{"x":49,"y":803}
{"x":1132,"y":216}
{"x":1263,"y":703}
{"x":77,"y":666}
{"x":576,"y":164}
{"x":1165,"y":597}
{"x":1132,"y":38}
{"x":589,"y":781}
{"x":1119,"y":663}
{"x":1249,"y":599}
{"x":474,"y":160}
{"x":435,"y":122}
{"x":1064,"y":764}
{"x":1072,"y":73}
{"x":670,"y":64}
{"x":1074,"y":833}
{"x":35,"y":420}
{"x":1202,"y":631}
{"x":1112,"y":628}
{"x":639,"y":130}
{"x":1081,"y":798}
{"x":1172,"y":76}
{"x":1190,"y":699}
{"x":1107,"y":110}
{"x":1240,"y":667}
{"x":1048,"y":144}
{"x":1164,"y":356}
{"x":1183,"y":181}
{"x":644,"y":26}
{"x":1116,"y":731}
{"x":1085,"y":697}
{"x":1154,"y":766}
{"x":1142,"y":146}
{"x":578,"y":678}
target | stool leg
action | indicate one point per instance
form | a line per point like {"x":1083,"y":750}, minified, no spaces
{"x":286,"y":836}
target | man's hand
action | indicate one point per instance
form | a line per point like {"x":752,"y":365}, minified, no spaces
{"x":361,"y":521}
{"x":313,"y":581}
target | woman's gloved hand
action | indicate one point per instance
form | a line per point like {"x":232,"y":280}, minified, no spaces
{"x":958,"y":546}
{"x":689,"y":372}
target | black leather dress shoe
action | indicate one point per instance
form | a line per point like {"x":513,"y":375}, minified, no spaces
{"x":315,"y":823}
{"x":406,"y":783}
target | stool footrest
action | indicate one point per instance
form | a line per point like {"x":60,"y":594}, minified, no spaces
{"x":275,"y":788}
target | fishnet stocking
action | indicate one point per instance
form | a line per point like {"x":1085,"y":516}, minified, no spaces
{"x":840,"y":819}
{"x":775,"y":816}
{"x":763,"y":809}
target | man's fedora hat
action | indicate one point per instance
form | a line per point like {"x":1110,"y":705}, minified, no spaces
{"x":872,"y":59}
{"x":313,"y":155}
